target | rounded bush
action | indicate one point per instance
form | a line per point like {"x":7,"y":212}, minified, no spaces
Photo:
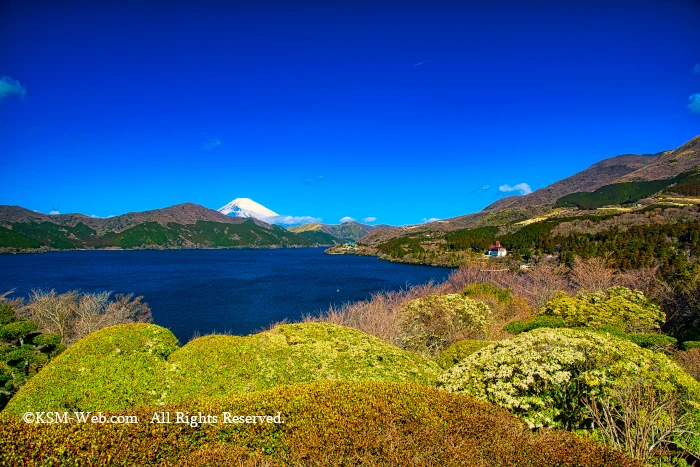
{"x":621,"y":307}
{"x":430,"y":324}
{"x":17,"y":329}
{"x":688,"y":345}
{"x":546,"y":375}
{"x":118,"y":367}
{"x":542,"y":321}
{"x":47,"y":339}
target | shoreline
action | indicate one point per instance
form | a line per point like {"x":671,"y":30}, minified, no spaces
{"x":4,"y":251}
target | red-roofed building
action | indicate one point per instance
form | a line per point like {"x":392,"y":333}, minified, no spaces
{"x":497,"y":250}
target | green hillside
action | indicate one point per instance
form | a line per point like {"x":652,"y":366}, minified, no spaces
{"x":317,"y":236}
{"x":345,"y":232}
{"x":630,"y":192}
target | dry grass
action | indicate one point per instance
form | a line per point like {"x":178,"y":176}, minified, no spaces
{"x":690,"y":361}
{"x":379,"y":315}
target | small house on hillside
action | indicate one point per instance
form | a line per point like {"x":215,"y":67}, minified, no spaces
{"x":497,"y":250}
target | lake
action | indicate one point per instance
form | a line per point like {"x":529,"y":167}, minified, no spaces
{"x":236,"y":291}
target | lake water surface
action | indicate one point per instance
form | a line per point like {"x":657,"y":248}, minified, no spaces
{"x":239,"y":291}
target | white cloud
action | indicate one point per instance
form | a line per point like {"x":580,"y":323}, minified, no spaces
{"x":696,"y":69}
{"x":346,"y":219}
{"x":291,"y":220}
{"x":694,"y":105}
{"x":54,"y":213}
{"x":428,"y":220}
{"x":212,"y":143}
{"x":9,"y":86}
{"x":522,"y":188}
{"x":367,"y":220}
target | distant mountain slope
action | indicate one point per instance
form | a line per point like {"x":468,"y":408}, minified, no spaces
{"x":670,"y":164}
{"x":186,"y":213}
{"x":182,"y":226}
{"x":347,"y":231}
{"x":601,"y":173}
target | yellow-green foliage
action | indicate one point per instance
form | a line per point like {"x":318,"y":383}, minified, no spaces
{"x":365,"y":423}
{"x":545,"y":375}
{"x":431,"y":323}
{"x":294,"y":353}
{"x":459,"y":351}
{"x":127,"y":366}
{"x":621,"y":307}
{"x":116,"y":368}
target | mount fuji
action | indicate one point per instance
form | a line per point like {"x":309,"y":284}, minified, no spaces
{"x":246,"y":207}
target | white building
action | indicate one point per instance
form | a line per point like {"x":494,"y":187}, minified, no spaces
{"x":497,"y":250}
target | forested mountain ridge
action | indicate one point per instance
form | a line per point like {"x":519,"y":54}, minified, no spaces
{"x":182,"y":226}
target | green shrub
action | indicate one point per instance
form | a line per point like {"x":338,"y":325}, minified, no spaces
{"x":128,"y":366}
{"x":687,"y":345}
{"x":330,"y":423}
{"x":7,"y":314}
{"x":430,"y":324}
{"x":17,"y":330}
{"x":621,"y":307}
{"x":47,"y":339}
{"x":546,"y":375}
{"x":656,"y":342}
{"x":20,"y":358}
{"x":459,"y":351}
{"x":542,"y":321}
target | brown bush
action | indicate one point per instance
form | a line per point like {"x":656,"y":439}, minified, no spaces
{"x":690,"y":361}
{"x":73,"y":315}
{"x":504,"y":305}
{"x":593,"y":274}
{"x":330,"y":423}
{"x":645,"y":280}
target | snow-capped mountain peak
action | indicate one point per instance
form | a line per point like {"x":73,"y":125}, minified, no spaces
{"x":246,"y":207}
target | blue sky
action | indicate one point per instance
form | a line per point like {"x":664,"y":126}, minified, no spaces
{"x":400,"y":111}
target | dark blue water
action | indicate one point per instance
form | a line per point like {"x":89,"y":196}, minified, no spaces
{"x":239,"y":291}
